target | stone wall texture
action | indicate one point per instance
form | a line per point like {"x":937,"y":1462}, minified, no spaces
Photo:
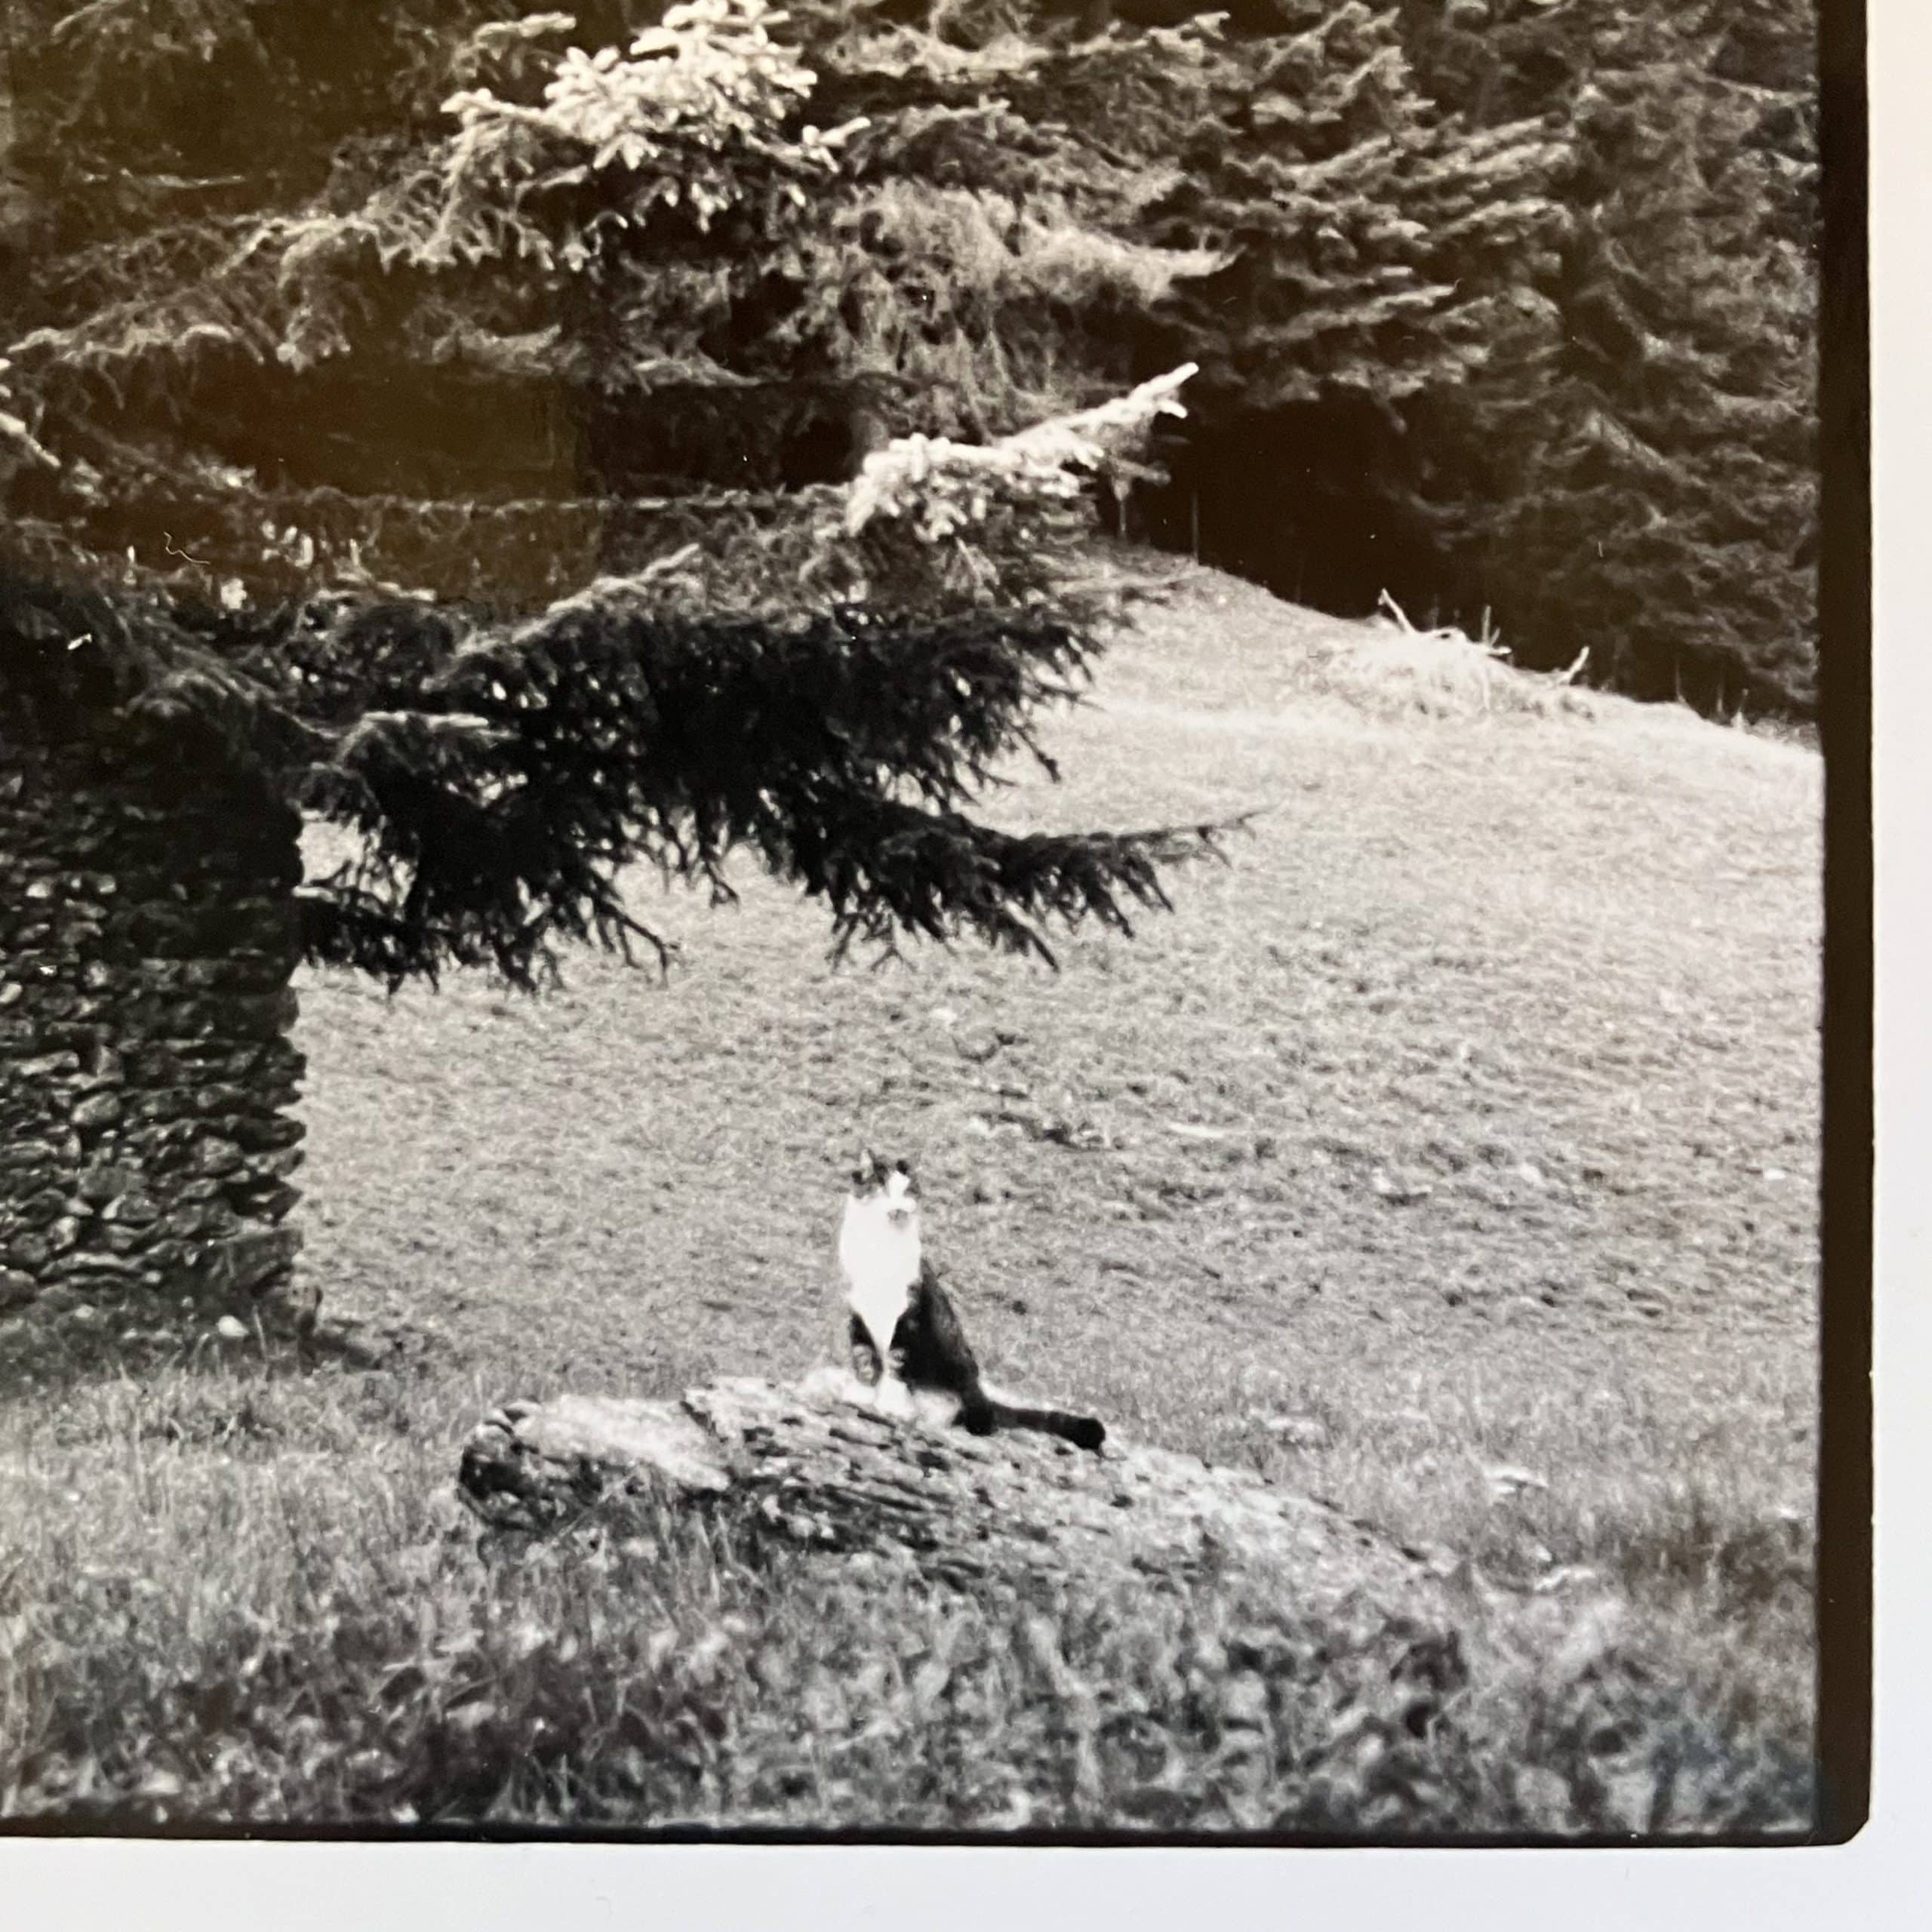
{"x":147,"y":939}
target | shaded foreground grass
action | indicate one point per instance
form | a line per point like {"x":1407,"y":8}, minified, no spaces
{"x":1451,"y":1154}
{"x":304,"y":1630}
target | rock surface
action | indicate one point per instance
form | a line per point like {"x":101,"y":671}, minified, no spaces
{"x":815,"y":1465}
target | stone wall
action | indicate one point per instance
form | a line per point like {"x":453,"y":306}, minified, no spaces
{"x":147,"y":938}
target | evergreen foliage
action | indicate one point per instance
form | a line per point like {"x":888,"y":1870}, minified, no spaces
{"x":1373,"y":248}
{"x":574,"y":280}
{"x":326,"y":452}
{"x":1638,"y":458}
{"x":1507,"y":302}
{"x":1518,"y":310}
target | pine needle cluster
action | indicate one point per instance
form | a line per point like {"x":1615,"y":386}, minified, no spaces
{"x":334,"y":461}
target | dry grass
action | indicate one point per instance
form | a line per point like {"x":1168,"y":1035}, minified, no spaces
{"x":1466,"y":1122}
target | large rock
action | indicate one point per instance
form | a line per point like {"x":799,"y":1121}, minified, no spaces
{"x":815,"y":1465}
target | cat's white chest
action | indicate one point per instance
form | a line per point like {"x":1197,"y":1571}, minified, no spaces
{"x":880,"y":1263}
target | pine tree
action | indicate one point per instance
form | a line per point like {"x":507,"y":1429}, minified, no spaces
{"x":1370,"y":250}
{"x":339,"y":442}
{"x":1636,"y":464}
{"x":1651,"y":436}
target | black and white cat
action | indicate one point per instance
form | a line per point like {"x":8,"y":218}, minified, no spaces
{"x":907,"y":1345}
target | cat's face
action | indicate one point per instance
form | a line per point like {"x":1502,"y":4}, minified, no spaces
{"x":886,"y":1186}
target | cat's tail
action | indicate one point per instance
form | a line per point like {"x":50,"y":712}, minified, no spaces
{"x":1083,"y":1432}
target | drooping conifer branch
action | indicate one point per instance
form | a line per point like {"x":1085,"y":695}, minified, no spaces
{"x":538,"y":759}
{"x":508,"y":639}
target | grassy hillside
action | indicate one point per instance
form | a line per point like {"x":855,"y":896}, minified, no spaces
{"x":1465,"y":1123}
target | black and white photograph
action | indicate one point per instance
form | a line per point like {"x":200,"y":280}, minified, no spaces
{"x":915,"y":924}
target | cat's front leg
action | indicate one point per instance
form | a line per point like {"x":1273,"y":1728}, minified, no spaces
{"x":866,"y":1364}
{"x":894,"y":1395}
